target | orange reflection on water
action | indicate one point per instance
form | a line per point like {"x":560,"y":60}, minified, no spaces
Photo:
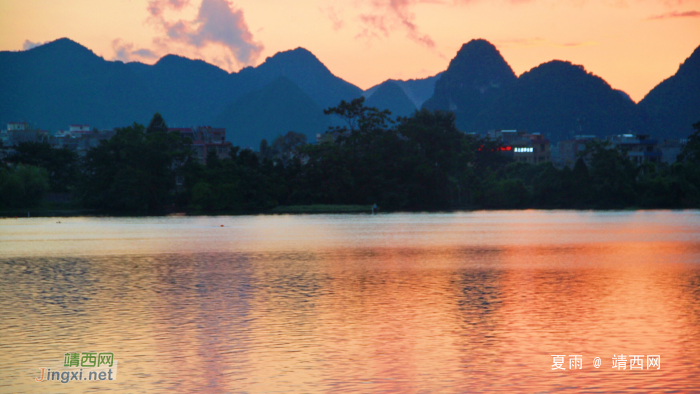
{"x":401,"y":303}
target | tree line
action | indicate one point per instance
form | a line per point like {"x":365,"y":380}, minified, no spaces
{"x":421,"y":162}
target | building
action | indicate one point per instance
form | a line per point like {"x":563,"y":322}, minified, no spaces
{"x":79,"y":128}
{"x":640,"y":148}
{"x":325,"y":137}
{"x":569,"y":151}
{"x":526,"y":148}
{"x":206,"y":139}
{"x":80,"y":138}
{"x":17,"y":126}
{"x":670,"y":149}
{"x":18,"y":132}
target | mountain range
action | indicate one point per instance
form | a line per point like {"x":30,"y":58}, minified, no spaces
{"x":62,"y":83}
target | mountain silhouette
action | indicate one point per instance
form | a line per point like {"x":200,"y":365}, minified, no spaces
{"x":560,"y":100}
{"x":673,"y":106}
{"x":62,"y":83}
{"x":390,"y":96}
{"x":188,"y":92}
{"x":475,"y":78}
{"x":306,"y":71}
{"x":277,"y":108}
{"x":417,"y":90}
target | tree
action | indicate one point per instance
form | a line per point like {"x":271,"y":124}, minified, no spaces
{"x":547,"y":185}
{"x":612,"y":175}
{"x":285,"y":147}
{"x":157,"y":124}
{"x":135,"y":170}
{"x":358,"y":117}
{"x":22,"y":186}
{"x":691,"y":150}
{"x":60,"y":163}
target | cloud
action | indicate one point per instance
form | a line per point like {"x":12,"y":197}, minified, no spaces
{"x":384,"y":17}
{"x":125,"y":52}
{"x":676,"y":14}
{"x":29,"y":45}
{"x":144,"y":53}
{"x":157,"y":7}
{"x":217,"y":23}
{"x":332,"y":15}
{"x":388,"y":15}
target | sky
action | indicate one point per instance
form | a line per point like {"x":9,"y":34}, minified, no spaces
{"x":632,"y":44}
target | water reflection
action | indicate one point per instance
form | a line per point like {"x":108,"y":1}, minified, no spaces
{"x":407,"y":304}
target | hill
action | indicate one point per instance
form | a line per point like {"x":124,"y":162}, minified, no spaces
{"x":673,"y":106}
{"x":475,"y":78}
{"x":559,"y":100}
{"x":62,"y":83}
{"x":390,"y":96}
{"x":271,"y":111}
{"x":417,"y":90}
{"x":306,"y":71}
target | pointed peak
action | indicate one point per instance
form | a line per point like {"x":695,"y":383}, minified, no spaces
{"x":297,"y":56}
{"x":389,"y":84}
{"x":65,"y":41}
{"x":562,"y":67}
{"x":302,"y":51}
{"x":171,"y":59}
{"x":294,"y":61}
{"x":478,"y":44}
{"x":692,"y":63}
{"x":63,"y":50}
{"x":478,"y":61}
{"x":178,"y":62}
{"x":61,"y":44}
{"x":478,"y":50}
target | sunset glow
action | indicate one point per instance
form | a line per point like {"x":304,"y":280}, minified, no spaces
{"x":633,"y":45}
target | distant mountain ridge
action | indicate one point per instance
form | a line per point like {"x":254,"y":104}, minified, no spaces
{"x":560,"y":99}
{"x":475,"y":78}
{"x":277,"y":108}
{"x":389,"y":95}
{"x":417,"y":90}
{"x":62,"y":82}
{"x":673,"y":106}
{"x":304,"y":69}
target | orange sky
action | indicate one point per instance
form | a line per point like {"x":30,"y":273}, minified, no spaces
{"x":632,"y":44}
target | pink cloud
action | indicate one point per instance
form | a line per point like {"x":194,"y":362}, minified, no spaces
{"x":29,"y":44}
{"x":332,"y":15}
{"x":676,"y":14}
{"x":218,"y":22}
{"x":125,"y":52}
{"x":387,"y":15}
{"x":157,"y":7}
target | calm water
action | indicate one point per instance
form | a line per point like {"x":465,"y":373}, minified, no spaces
{"x":401,"y":303}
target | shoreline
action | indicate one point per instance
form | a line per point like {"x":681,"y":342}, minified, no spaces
{"x":319,"y":209}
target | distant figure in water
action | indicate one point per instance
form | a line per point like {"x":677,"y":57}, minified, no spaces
{"x":375,"y":208}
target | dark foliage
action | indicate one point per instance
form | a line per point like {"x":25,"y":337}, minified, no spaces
{"x":60,"y":164}
{"x":136,"y":170}
{"x":421,"y":162}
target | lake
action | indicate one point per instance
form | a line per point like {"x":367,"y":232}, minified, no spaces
{"x":391,"y":303}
